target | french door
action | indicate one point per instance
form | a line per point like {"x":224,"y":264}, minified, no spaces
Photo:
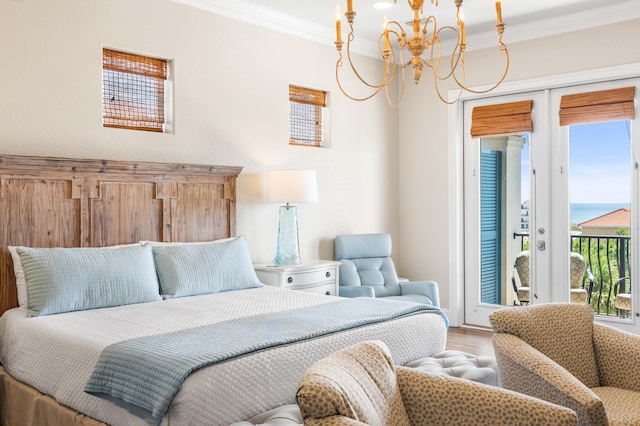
{"x":505,"y":181}
{"x":540,"y":203}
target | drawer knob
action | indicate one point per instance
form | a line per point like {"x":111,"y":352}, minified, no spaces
{"x":328,"y":274}
{"x":290,"y":280}
{"x":328,"y":293}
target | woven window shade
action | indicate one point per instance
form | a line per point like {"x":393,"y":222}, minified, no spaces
{"x":592,"y":107}
{"x":305,"y":115}
{"x":501,"y":119}
{"x":133,"y":91}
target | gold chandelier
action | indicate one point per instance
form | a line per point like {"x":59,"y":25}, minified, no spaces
{"x":425,"y":48}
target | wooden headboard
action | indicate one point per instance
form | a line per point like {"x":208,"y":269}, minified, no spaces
{"x":63,"y":202}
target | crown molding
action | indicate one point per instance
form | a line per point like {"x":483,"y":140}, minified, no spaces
{"x":578,"y":21}
{"x":277,"y":21}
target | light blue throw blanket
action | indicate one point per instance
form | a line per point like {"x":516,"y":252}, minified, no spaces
{"x":143,"y":374}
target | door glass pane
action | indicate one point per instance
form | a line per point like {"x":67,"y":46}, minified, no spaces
{"x":600,"y":216}
{"x":520,"y":272}
{"x":504,"y":195}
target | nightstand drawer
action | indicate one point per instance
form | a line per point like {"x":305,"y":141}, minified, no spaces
{"x":306,"y":278}
{"x":319,"y":276}
{"x":328,"y":289}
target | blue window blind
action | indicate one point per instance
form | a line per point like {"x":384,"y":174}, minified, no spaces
{"x":490,"y":224}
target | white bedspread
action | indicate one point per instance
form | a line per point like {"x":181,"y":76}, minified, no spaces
{"x":56,"y":354}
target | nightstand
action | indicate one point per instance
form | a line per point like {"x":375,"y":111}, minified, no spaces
{"x":317,"y":276}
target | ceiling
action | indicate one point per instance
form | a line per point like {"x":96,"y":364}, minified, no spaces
{"x":524,"y":19}
{"x":479,"y":14}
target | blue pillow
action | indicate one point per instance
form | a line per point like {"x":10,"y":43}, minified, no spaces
{"x":73,"y":279}
{"x":192,"y":269}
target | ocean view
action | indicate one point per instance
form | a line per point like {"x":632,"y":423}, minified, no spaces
{"x":582,"y":212}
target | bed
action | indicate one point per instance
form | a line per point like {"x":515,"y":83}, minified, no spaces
{"x":50,"y":351}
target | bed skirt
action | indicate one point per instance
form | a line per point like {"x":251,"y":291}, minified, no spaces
{"x":22,"y":405}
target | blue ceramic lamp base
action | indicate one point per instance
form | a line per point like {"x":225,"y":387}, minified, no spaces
{"x":288,"y":252}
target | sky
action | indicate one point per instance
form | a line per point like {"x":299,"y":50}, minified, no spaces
{"x":599,"y":163}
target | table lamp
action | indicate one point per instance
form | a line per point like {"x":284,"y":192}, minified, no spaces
{"x":290,"y":186}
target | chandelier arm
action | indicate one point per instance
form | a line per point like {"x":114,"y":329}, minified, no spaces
{"x":399,"y":33}
{"x":442,"y":98}
{"x":457,"y":57}
{"x":389,"y":101}
{"x":431,"y":19}
{"x":386,"y":89}
{"x":401,"y":39}
{"x":504,"y":75}
{"x":405,"y":66}
{"x":353,"y":98}
{"x":396,"y":62}
{"x":392,"y":53}
{"x":384,"y":82}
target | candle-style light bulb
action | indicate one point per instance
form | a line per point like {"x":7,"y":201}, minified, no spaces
{"x":499,"y":13}
{"x":387,"y":44}
{"x":338,"y":25}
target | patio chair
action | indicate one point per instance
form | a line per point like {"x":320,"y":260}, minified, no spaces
{"x":622,"y":300}
{"x":557,"y":353}
{"x":367,"y":270}
{"x":520,"y":273}
{"x":580,"y":291}
{"x":359,"y":385}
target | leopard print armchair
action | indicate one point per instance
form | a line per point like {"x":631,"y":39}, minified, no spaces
{"x":557,"y":353}
{"x":359,"y":385}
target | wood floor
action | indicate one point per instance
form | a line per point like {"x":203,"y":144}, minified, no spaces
{"x":470,"y":340}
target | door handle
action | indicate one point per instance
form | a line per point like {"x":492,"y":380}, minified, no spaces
{"x":541,"y":245}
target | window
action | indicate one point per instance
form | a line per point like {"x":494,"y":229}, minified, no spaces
{"x":134,"y":91}
{"x":308,"y":122}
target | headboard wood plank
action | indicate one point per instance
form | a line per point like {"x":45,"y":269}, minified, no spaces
{"x":64,"y":202}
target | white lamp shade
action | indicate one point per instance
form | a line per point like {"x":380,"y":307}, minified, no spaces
{"x":292,"y":186}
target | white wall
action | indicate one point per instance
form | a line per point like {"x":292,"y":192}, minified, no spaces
{"x":425,"y":219}
{"x":231,"y":108}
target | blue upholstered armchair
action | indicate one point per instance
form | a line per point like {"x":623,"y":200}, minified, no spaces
{"x":368,"y":271}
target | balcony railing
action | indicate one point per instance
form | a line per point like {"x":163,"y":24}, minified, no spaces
{"x":608,"y":257}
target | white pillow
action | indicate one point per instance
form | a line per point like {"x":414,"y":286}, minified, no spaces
{"x":21,"y":287}
{"x":75,"y":279}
